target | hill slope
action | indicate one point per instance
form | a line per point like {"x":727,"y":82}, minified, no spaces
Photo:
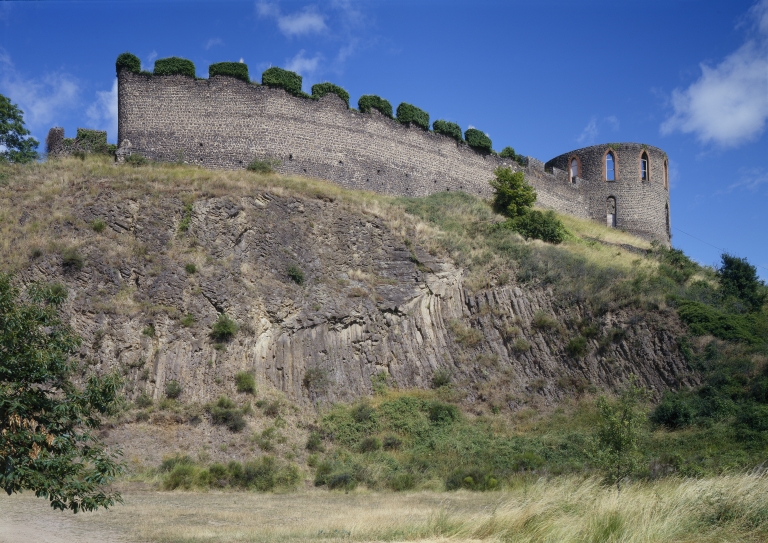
{"x":334,"y":292}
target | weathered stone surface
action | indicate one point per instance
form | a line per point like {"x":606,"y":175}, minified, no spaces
{"x":365,"y":308}
{"x":223,"y":122}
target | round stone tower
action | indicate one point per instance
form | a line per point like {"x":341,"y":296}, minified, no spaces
{"x":625,"y":184}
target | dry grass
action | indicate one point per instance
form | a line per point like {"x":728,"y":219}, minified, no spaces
{"x":726,"y":508}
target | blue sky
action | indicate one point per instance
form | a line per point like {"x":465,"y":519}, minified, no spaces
{"x":543,"y":76}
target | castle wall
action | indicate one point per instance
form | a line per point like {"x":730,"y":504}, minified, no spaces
{"x":223,"y":122}
{"x":641,"y":206}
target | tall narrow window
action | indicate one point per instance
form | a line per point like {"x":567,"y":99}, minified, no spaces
{"x":610,"y":212}
{"x":666,"y":175}
{"x":644,"y":167}
{"x":610,"y":167}
{"x":669,"y":228}
{"x":574,"y":170}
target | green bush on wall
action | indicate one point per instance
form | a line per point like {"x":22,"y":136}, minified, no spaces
{"x":448,"y":128}
{"x":128,"y":61}
{"x":282,"y":79}
{"x":321,"y":89}
{"x":238,"y":70}
{"x":477,"y":139}
{"x":371,"y":101}
{"x":94,"y":141}
{"x":174,"y":66}
{"x":407,"y":113}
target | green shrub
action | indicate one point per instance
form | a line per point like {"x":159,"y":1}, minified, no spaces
{"x":295,"y":274}
{"x":187,"y":320}
{"x":509,"y":152}
{"x":136,"y":159}
{"x":441,"y":377}
{"x":512,"y":195}
{"x":224,"y":328}
{"x":245,"y":382}
{"x":370,"y":444}
{"x":371,"y":101}
{"x":738,"y":278}
{"x":527,"y":461}
{"x":149,"y":330}
{"x":472,"y":479}
{"x":143,"y":401}
{"x":400,"y":482}
{"x":71,"y":259}
{"x":442,"y":413}
{"x":447,"y":128}
{"x":577,"y":347}
{"x":98,"y":225}
{"x":92,"y":141}
{"x":539,"y":225}
{"x":127,"y":61}
{"x":521,"y":346}
{"x":190,"y":268}
{"x":272,"y":409}
{"x":543,"y":322}
{"x":316,"y":379}
{"x":315,"y":442}
{"x":391,"y":443}
{"x":174,"y":66}
{"x":478,"y":140}
{"x":181,"y":476}
{"x":321,"y":89}
{"x":225,"y":413}
{"x":703,"y":319}
{"x":676,"y":410}
{"x":238,"y":70}
{"x":266,"y":165}
{"x":172,"y":389}
{"x":282,"y":79}
{"x":407,"y":113}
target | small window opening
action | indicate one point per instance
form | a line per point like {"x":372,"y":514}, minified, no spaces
{"x":666,"y":175}
{"x":610,"y":212}
{"x":644,"y":167}
{"x":574,"y":170}
{"x":610,"y":167}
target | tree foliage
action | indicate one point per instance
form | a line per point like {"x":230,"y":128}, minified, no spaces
{"x":47,"y":423}
{"x":14,"y":136}
{"x":512,"y":196}
{"x":620,"y":427}
{"x":738,"y":279}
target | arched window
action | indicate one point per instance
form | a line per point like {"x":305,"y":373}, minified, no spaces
{"x":610,"y":167}
{"x":666,"y":175}
{"x":610,"y":212}
{"x":645,"y":174}
{"x":575,"y":168}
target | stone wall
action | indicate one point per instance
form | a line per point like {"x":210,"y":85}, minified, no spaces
{"x":222,"y":122}
{"x":642,"y":207}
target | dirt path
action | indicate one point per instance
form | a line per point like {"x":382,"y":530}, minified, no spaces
{"x":25,"y":518}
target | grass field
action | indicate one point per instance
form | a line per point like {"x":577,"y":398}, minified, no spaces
{"x":726,"y":508}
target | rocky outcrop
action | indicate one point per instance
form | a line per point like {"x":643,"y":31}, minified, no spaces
{"x":331,"y":302}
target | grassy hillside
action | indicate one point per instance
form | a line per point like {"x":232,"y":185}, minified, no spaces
{"x":438,"y":438}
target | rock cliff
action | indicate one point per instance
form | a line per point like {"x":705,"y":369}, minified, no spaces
{"x":333,"y":297}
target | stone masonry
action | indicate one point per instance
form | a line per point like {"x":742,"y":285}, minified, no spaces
{"x":223,"y":122}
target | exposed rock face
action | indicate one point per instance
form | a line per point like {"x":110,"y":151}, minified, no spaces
{"x":372,"y":308}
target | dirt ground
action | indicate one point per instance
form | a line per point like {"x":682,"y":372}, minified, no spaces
{"x":149,"y":516}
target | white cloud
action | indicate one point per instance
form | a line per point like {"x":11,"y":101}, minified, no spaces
{"x":102,"y":113}
{"x":592,"y":130}
{"x":150,"y":65}
{"x":42,"y":99}
{"x":306,"y":21}
{"x":750,"y":179}
{"x":213,"y":42}
{"x":303,"y":65}
{"x":728,"y":104}
{"x":589,"y":134}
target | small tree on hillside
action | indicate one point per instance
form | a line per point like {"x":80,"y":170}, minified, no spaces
{"x":14,"y":136}
{"x":620,"y":427}
{"x":512,"y":197}
{"x":738,"y":278}
{"x":47,"y":440}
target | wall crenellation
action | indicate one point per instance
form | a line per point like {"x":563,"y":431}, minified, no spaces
{"x":225,"y":122}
